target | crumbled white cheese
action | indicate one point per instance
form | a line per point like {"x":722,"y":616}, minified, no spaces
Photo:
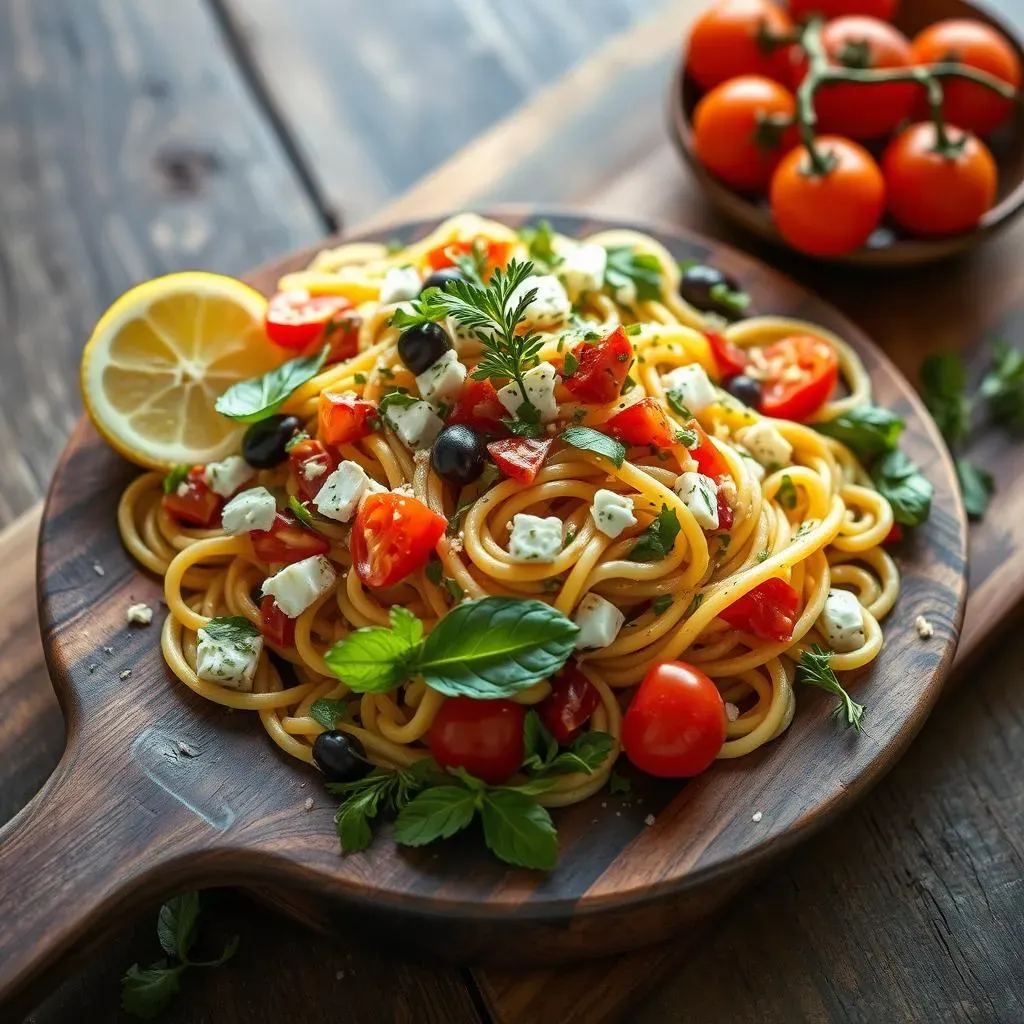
{"x":126,"y":673}
{"x":534,"y":539}
{"x":549,"y":307}
{"x":649,"y":820}
{"x":400,"y":284}
{"x":612,"y":513}
{"x":230,"y":664}
{"x":767,"y":445}
{"x":599,"y":621}
{"x":416,"y":424}
{"x":462,"y":335}
{"x":224,"y":478}
{"x":540,"y":392}
{"x":314,"y":467}
{"x":691,"y":386}
{"x":98,"y":569}
{"x":756,"y":816}
{"x":307,"y":804}
{"x":139,"y":615}
{"x":298,"y":585}
{"x":253,"y":509}
{"x":182,"y":489}
{"x":731,"y":711}
{"x":342,"y":491}
{"x":842,"y":621}
{"x":582,"y":268}
{"x":442,"y":381}
{"x":700,"y":496}
{"x":924,"y":628}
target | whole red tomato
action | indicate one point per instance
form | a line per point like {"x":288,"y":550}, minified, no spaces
{"x":735,"y":37}
{"x":833,"y":212}
{"x":737,"y":134}
{"x":977,"y":45}
{"x":483,"y":736}
{"x":803,"y":9}
{"x":935,"y":190}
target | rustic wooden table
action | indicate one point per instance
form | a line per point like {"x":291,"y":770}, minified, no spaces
{"x":139,"y":137}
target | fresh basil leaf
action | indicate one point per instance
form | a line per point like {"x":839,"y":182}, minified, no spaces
{"x":175,"y":477}
{"x":590,"y":440}
{"x":437,"y":813}
{"x":540,"y":748}
{"x":518,"y":830}
{"x":627,"y":267}
{"x":235,"y":630}
{"x":619,"y":784}
{"x":428,"y":308}
{"x":944,"y":382}
{"x":495,"y":647}
{"x":176,"y":925}
{"x":977,"y":486}
{"x":533,"y":786}
{"x":147,"y":992}
{"x":902,"y":484}
{"x":301,"y":513}
{"x":1003,"y":386}
{"x":376,"y":659}
{"x":868,"y":430}
{"x":405,"y":625}
{"x":255,"y":399}
{"x":588,"y":752}
{"x":328,"y":711}
{"x":353,"y":821}
{"x":657,"y":540}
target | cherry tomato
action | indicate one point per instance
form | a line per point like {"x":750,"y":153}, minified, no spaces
{"x":569,"y":705}
{"x":497,"y":253}
{"x":710,"y":461}
{"x":787,"y":395}
{"x":737,"y":134}
{"x":601,"y":368}
{"x":857,"y":110}
{"x":675,"y":724}
{"x":393,"y":535}
{"x":341,"y":333}
{"x":977,"y":45}
{"x":734,"y":37}
{"x":520,"y":458}
{"x":483,"y":736}
{"x":769,"y":611}
{"x":287,"y":541}
{"x":345,"y":418}
{"x":830,"y":213}
{"x":643,"y":422}
{"x":193,"y":502}
{"x":478,"y":407}
{"x":312,"y":463}
{"x":729,"y":358}
{"x":801,"y":10}
{"x":295,"y":319}
{"x":931,"y":191}
{"x":275,"y":625}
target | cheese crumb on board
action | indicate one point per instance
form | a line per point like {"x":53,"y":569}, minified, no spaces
{"x":924,"y":628}
{"x":139,"y":615}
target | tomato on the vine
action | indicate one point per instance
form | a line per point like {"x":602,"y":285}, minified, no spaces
{"x":976,"y":45}
{"x":933,"y":190}
{"x":739,"y":37}
{"x":881,"y":9}
{"x":675,"y":724}
{"x":803,"y":372}
{"x":828,"y":213}
{"x":742,"y":129}
{"x":483,"y":736}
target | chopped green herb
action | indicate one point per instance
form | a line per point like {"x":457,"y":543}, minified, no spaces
{"x":658,"y":539}
{"x":661,"y":603}
{"x":633,"y":330}
{"x":360,"y":378}
{"x":175,"y":478}
{"x":787,"y":493}
{"x":815,"y":669}
{"x":631,"y":270}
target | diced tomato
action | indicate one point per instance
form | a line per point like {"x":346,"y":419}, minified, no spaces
{"x":312,"y":463}
{"x":443,"y":256}
{"x":520,"y":458}
{"x":275,"y":625}
{"x":295,"y":319}
{"x":573,"y":699}
{"x":287,"y":541}
{"x":346,"y":418}
{"x":768,"y":611}
{"x":729,"y":357}
{"x":193,"y":502}
{"x":393,"y":535}
{"x":478,"y":407}
{"x":710,"y":461}
{"x":642,"y":422}
{"x":341,"y":333}
{"x":601,"y":368}
{"x":725,"y":516}
{"x":793,"y":395}
{"x":895,"y":535}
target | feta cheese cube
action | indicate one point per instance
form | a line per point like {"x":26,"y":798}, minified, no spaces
{"x":767,"y":445}
{"x":612,"y":512}
{"x":691,"y":386}
{"x":416,"y":424}
{"x":700,"y":496}
{"x":442,"y":381}
{"x":400,"y":284}
{"x":298,"y":585}
{"x":599,"y":621}
{"x":582,"y":268}
{"x":231,"y":664}
{"x":253,"y":509}
{"x":342,"y":491}
{"x":224,"y":478}
{"x":842,"y":621}
{"x":549,"y":307}
{"x":534,"y":539}
{"x":540,"y":392}
{"x":462,"y":336}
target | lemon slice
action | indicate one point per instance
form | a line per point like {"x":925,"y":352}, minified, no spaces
{"x":160,"y":357}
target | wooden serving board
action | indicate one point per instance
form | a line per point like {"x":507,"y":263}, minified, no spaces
{"x":165,"y":791}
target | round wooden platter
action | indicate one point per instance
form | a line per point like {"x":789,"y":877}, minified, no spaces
{"x":159,"y":791}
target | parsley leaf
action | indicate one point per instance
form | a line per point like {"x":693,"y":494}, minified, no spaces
{"x":902,"y":484}
{"x":944,"y":382}
{"x":629,"y":270}
{"x":676,"y":404}
{"x":590,"y":440}
{"x":328,"y":711}
{"x":868,"y":430}
{"x":657,"y":540}
{"x":787,"y":493}
{"x":175,"y":477}
{"x":661,"y":603}
{"x":569,"y":365}
{"x":815,"y":669}
{"x":976,"y":485}
{"x":1003,"y":386}
{"x":255,"y":399}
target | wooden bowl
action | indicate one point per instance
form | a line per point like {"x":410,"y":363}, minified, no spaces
{"x":889,"y":245}
{"x":159,"y":790}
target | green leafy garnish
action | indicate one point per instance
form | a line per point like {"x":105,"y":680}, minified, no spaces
{"x":570,"y":365}
{"x":661,"y":603}
{"x":619,"y":784}
{"x":976,"y":485}
{"x":657,"y":540}
{"x":259,"y":397}
{"x":677,"y":406}
{"x":328,"y":711}
{"x":1002,"y":387}
{"x":233,"y":630}
{"x":628,"y":269}
{"x":542,"y":755}
{"x":301,"y":513}
{"x":452,"y":589}
{"x":633,"y":329}
{"x":540,"y":241}
{"x":868,"y":430}
{"x":364,"y":799}
{"x":590,"y":440}
{"x":815,"y":669}
{"x":376,"y":659}
{"x":734,"y":301}
{"x":787,"y":493}
{"x":903,"y":485}
{"x":943,"y":378}
{"x":518,"y":830}
{"x":175,"y":477}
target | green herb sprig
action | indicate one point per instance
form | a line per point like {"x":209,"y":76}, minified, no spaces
{"x":815,"y":669}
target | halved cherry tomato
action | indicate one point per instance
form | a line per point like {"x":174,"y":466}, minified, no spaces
{"x":346,"y":418}
{"x":295,"y":319}
{"x":341,"y":333}
{"x":601,"y":367}
{"x":483,"y":736}
{"x":287,"y":541}
{"x":478,"y":407}
{"x":497,"y":253}
{"x":569,"y":705}
{"x":643,"y":422}
{"x":881,"y":9}
{"x":675,"y":724}
{"x":725,"y":513}
{"x":768,"y":611}
{"x":193,"y":502}
{"x":729,"y":357}
{"x":393,"y":535}
{"x":312,"y":463}
{"x":790,"y":395}
{"x":520,"y":458}
{"x":710,"y":461}
{"x":275,"y":625}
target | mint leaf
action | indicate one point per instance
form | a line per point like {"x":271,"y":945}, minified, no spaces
{"x":436,"y":813}
{"x":176,"y":924}
{"x":590,"y":440}
{"x":255,"y":399}
{"x":588,"y":752}
{"x":518,"y":830}
{"x":627,"y":267}
{"x":235,"y":630}
{"x":147,"y":992}
{"x":175,"y":477}
{"x":540,"y":748}
{"x":976,"y":486}
{"x":902,"y":484}
{"x":375,"y":659}
{"x":868,"y":430}
{"x":657,"y":540}
{"x":327,"y":711}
